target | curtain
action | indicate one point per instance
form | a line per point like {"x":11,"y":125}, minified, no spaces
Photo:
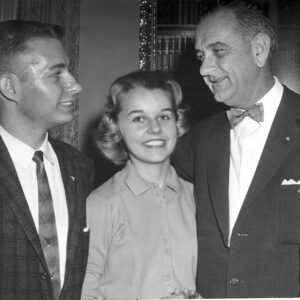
{"x":65,"y":13}
{"x":8,"y":9}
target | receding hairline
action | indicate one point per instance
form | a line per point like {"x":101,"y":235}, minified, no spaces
{"x":221,"y":13}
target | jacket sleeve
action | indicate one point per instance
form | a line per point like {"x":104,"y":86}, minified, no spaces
{"x":183,"y":158}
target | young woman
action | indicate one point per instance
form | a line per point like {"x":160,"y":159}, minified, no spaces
{"x":142,"y":221}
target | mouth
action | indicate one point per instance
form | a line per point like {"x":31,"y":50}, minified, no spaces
{"x":217,"y":82}
{"x":157,"y":143}
{"x":67,"y":104}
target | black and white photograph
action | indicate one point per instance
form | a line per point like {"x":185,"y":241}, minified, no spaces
{"x":149,"y":149}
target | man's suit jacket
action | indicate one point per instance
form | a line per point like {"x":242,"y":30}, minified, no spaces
{"x":23,"y":270}
{"x":263,"y":259}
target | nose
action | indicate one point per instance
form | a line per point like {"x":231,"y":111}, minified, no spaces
{"x":208,"y":65}
{"x":72,"y":86}
{"x":154,"y":126}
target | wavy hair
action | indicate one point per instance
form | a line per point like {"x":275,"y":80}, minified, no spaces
{"x":107,"y":137}
{"x":251,"y":21}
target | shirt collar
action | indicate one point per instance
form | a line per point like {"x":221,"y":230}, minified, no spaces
{"x":21,"y":153}
{"x":46,"y":149}
{"x":271,"y":101}
{"x":139,"y":185}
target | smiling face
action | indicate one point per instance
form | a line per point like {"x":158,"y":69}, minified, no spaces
{"x":148,"y":126}
{"x":228,"y":63}
{"x":47,"y":94}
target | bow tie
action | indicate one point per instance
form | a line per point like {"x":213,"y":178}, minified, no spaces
{"x":235,"y":116}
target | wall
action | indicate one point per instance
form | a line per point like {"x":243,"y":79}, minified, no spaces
{"x":109,"y":44}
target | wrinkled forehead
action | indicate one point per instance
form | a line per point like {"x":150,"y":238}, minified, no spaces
{"x":217,"y":27}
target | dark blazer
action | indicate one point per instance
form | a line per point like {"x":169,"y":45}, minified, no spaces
{"x":263,"y":259}
{"x":23,"y":270}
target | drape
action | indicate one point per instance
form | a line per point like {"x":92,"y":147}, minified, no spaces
{"x":65,"y":13}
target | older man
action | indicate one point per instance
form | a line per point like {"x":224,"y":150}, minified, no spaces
{"x":245,"y":163}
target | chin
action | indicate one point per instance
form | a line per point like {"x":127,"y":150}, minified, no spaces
{"x":157,"y":161}
{"x":62,"y":122}
{"x":220,"y":99}
{"x":225,"y":99}
{"x":67,"y":118}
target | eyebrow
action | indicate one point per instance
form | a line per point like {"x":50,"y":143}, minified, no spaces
{"x":217,"y":44}
{"x":141,"y":111}
{"x":212,"y":45}
{"x":58,"y":66}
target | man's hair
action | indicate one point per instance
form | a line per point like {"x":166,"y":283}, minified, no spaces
{"x":15,"y":36}
{"x":108,"y":138}
{"x":251,"y":21}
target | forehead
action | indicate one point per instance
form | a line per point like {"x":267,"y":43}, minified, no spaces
{"x":219,"y":27}
{"x":45,"y":53}
{"x":140,"y":97}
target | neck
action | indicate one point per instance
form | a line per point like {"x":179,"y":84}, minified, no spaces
{"x":265,"y":87}
{"x":33,"y":138}
{"x":156,"y":173}
{"x":22,"y":127}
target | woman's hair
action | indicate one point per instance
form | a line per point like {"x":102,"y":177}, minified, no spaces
{"x":107,"y":136}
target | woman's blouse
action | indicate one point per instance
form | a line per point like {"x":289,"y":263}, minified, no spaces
{"x":142,"y":238}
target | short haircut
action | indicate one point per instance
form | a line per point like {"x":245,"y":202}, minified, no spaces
{"x":15,"y":36}
{"x":251,"y":21}
{"x":107,"y":137}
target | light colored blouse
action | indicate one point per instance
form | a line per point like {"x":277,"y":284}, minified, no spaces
{"x":142,"y":238}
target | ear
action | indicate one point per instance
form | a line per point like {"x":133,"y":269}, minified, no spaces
{"x":9,"y":87}
{"x":261,"y":48}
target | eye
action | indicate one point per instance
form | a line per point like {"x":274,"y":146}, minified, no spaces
{"x":200,"y":57}
{"x":56,"y":74}
{"x":219,"y":51}
{"x":138,"y":119}
{"x":165,"y":117}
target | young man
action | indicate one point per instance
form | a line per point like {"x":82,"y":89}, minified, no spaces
{"x":248,"y":219}
{"x":43,"y":183}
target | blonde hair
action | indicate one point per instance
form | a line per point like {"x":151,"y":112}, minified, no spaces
{"x":107,"y":137}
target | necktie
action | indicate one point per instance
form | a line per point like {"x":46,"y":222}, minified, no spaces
{"x":235,"y":116}
{"x":47,"y":226}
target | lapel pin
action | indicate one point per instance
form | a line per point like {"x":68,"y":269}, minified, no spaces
{"x":287,"y":138}
{"x":73,"y":178}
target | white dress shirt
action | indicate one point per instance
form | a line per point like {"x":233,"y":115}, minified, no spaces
{"x":22,"y":155}
{"x":247,"y":141}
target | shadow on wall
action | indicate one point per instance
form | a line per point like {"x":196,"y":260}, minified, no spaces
{"x":196,"y":94}
{"x":104,"y":168}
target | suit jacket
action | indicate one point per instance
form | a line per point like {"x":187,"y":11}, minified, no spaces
{"x":23,"y":270}
{"x":263,"y":259}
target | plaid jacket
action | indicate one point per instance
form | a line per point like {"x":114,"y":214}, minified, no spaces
{"x":23,"y":270}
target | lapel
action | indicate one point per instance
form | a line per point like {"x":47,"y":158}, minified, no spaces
{"x":11,"y":192}
{"x":282,"y":138}
{"x":69,"y":180}
{"x":218,"y":172}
